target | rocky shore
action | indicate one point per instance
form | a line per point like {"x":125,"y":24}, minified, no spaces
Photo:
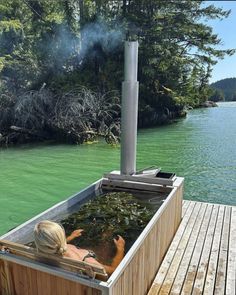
{"x":208,"y":104}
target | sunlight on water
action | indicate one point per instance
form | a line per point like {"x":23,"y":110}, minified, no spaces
{"x":201,"y":148}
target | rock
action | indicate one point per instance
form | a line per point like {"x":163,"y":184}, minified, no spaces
{"x":208,"y":104}
{"x":188,"y":108}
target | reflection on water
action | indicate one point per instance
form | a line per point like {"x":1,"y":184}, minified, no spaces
{"x":201,"y":148}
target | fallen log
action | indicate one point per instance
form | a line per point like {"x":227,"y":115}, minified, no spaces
{"x":34,"y":133}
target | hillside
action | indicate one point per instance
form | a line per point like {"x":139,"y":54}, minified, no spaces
{"x":225,"y":89}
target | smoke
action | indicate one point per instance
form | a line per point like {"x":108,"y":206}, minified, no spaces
{"x":99,"y":35}
{"x":59,"y":45}
{"x":59,"y":49}
{"x":98,"y":38}
{"x":67,"y":49}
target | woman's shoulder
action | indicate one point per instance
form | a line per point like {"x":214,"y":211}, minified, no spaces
{"x":81,"y":254}
{"x":73,"y":247}
{"x":75,"y":250}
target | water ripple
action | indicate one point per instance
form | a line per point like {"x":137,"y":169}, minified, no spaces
{"x":201,"y":148}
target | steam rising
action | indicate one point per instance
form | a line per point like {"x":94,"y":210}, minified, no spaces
{"x":99,"y":34}
{"x":96,"y":39}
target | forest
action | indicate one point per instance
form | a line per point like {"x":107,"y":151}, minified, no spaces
{"x":61,"y":65}
{"x":224,"y":90}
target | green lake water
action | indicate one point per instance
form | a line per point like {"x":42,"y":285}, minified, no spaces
{"x":201,"y":148}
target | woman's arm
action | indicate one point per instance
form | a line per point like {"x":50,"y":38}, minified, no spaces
{"x":75,"y":234}
{"x":120,"y":249}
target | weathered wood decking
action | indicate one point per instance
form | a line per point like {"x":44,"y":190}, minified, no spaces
{"x":202,"y":256}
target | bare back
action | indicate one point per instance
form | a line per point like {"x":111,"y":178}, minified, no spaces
{"x":79,"y":254}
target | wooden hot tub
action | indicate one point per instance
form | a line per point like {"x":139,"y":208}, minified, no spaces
{"x":21,"y":273}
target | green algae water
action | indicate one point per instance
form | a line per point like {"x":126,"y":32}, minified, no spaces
{"x":201,"y":148}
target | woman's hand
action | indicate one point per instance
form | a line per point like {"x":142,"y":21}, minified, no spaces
{"x":120,"y":243}
{"x":120,"y":246}
{"x":75,"y":234}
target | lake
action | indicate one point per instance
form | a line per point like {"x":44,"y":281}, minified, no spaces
{"x":201,"y":148}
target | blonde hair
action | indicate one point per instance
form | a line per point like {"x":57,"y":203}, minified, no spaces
{"x":50,"y":237}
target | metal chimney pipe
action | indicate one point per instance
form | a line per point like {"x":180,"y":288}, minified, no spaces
{"x":129,"y":109}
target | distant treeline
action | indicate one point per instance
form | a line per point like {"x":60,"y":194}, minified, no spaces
{"x":57,"y":58}
{"x":224,"y":90}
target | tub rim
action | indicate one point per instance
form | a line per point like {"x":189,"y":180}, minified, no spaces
{"x":74,"y":199}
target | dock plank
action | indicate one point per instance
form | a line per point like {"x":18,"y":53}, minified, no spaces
{"x":159,"y":279}
{"x":180,"y":277}
{"x":202,"y":268}
{"x":167,"y":284}
{"x":223,"y":255}
{"x":202,"y":256}
{"x":185,"y":206}
{"x":231,"y":268}
{"x":194,"y":262}
{"x":213,"y":261}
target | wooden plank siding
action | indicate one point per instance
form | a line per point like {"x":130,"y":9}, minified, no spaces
{"x":137,"y":276}
{"x":202,"y":256}
{"x":27,"y":281}
{"x":22,"y":274}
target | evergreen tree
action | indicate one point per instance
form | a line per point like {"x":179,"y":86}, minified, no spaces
{"x":227,"y":87}
{"x":64,"y":44}
{"x":217,"y":95}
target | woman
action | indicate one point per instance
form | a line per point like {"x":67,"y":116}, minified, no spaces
{"x":50,"y":238}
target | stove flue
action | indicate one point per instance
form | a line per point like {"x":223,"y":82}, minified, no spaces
{"x":129,"y":109}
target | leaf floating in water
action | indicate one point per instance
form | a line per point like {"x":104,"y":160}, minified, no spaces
{"x":126,"y":220}
{"x":111,"y":214}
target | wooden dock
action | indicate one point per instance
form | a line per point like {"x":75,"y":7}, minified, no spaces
{"x":202,"y":256}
